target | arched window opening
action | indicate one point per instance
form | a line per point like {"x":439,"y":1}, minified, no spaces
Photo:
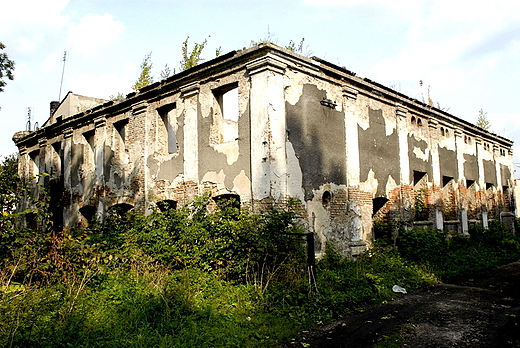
{"x":228,"y":202}
{"x":120,"y":209}
{"x":88,"y":212}
{"x":166,"y":205}
{"x":326,"y":198}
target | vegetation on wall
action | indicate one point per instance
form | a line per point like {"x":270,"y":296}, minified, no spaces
{"x":145,"y":77}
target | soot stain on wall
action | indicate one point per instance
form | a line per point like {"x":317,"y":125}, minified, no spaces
{"x":378,"y":151}
{"x":416,"y":163}
{"x":317,"y":134}
{"x":471,"y":167}
{"x":448,"y":163}
{"x":490,"y":174}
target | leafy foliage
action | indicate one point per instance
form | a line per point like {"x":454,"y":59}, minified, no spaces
{"x":482,"y":120}
{"x":187,"y":277}
{"x":191,"y":58}
{"x":450,"y":256}
{"x":145,"y":78}
{"x":6,"y":67}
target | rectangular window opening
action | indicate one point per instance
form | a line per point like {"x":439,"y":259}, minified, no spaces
{"x":418,"y":177}
{"x":120,"y":127}
{"x":446,"y":180}
{"x":89,"y":137}
{"x":167,"y":115}
{"x":227,"y":98}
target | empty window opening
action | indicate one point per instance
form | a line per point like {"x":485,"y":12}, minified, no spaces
{"x":227,"y":98}
{"x":326,"y":198}
{"x":120,"y":209}
{"x":225,"y":115}
{"x":166,"y":205}
{"x":89,"y":137}
{"x":419,"y":122}
{"x":57,"y":160}
{"x":88,"y":212}
{"x":228,"y":202}
{"x":35,"y":163}
{"x":30,"y":221}
{"x":120,"y":127}
{"x":418,"y":177}
{"x":377,"y":204}
{"x":167,"y":114}
{"x":446,"y":180}
{"x":413,"y":120}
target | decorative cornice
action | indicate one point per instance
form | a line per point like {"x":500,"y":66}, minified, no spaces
{"x":458,"y":132}
{"x":42,"y":142}
{"x":100,"y":122}
{"x":139,"y":108}
{"x":67,"y":132}
{"x":401,"y":111}
{"x":269,"y":63}
{"x":350,"y":92}
{"x":190,"y":90}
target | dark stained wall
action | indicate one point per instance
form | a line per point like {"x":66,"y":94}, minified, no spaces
{"x":416,"y":163}
{"x":378,"y":151}
{"x":505,"y":175}
{"x":317,"y":134}
{"x":471,"y":167}
{"x":448,"y":163}
{"x":490,"y":174}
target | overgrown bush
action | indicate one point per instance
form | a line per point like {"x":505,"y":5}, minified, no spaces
{"x":450,"y":256}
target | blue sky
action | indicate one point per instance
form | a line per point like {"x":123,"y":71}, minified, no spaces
{"x":467,"y":52}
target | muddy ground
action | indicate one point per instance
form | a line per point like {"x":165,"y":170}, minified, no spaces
{"x":480,"y":310}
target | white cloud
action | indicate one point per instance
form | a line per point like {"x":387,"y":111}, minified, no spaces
{"x":105,"y":85}
{"x":23,"y":13}
{"x":93,"y":33}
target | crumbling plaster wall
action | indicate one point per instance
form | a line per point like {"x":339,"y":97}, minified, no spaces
{"x":330,"y":143}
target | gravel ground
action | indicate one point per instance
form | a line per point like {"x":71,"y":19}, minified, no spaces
{"x":481,"y":310}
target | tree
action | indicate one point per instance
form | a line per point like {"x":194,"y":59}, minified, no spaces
{"x":9,"y":184}
{"x":191,"y":59}
{"x":6,"y":67}
{"x":146,"y":77}
{"x":482,"y":121}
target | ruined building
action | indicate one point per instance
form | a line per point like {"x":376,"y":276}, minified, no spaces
{"x":268,"y":126}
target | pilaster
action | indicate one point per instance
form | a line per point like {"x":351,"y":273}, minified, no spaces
{"x":268,"y":128}
{"x":190,"y":96}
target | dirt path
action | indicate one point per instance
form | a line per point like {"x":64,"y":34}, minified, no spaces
{"x":481,"y":310}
